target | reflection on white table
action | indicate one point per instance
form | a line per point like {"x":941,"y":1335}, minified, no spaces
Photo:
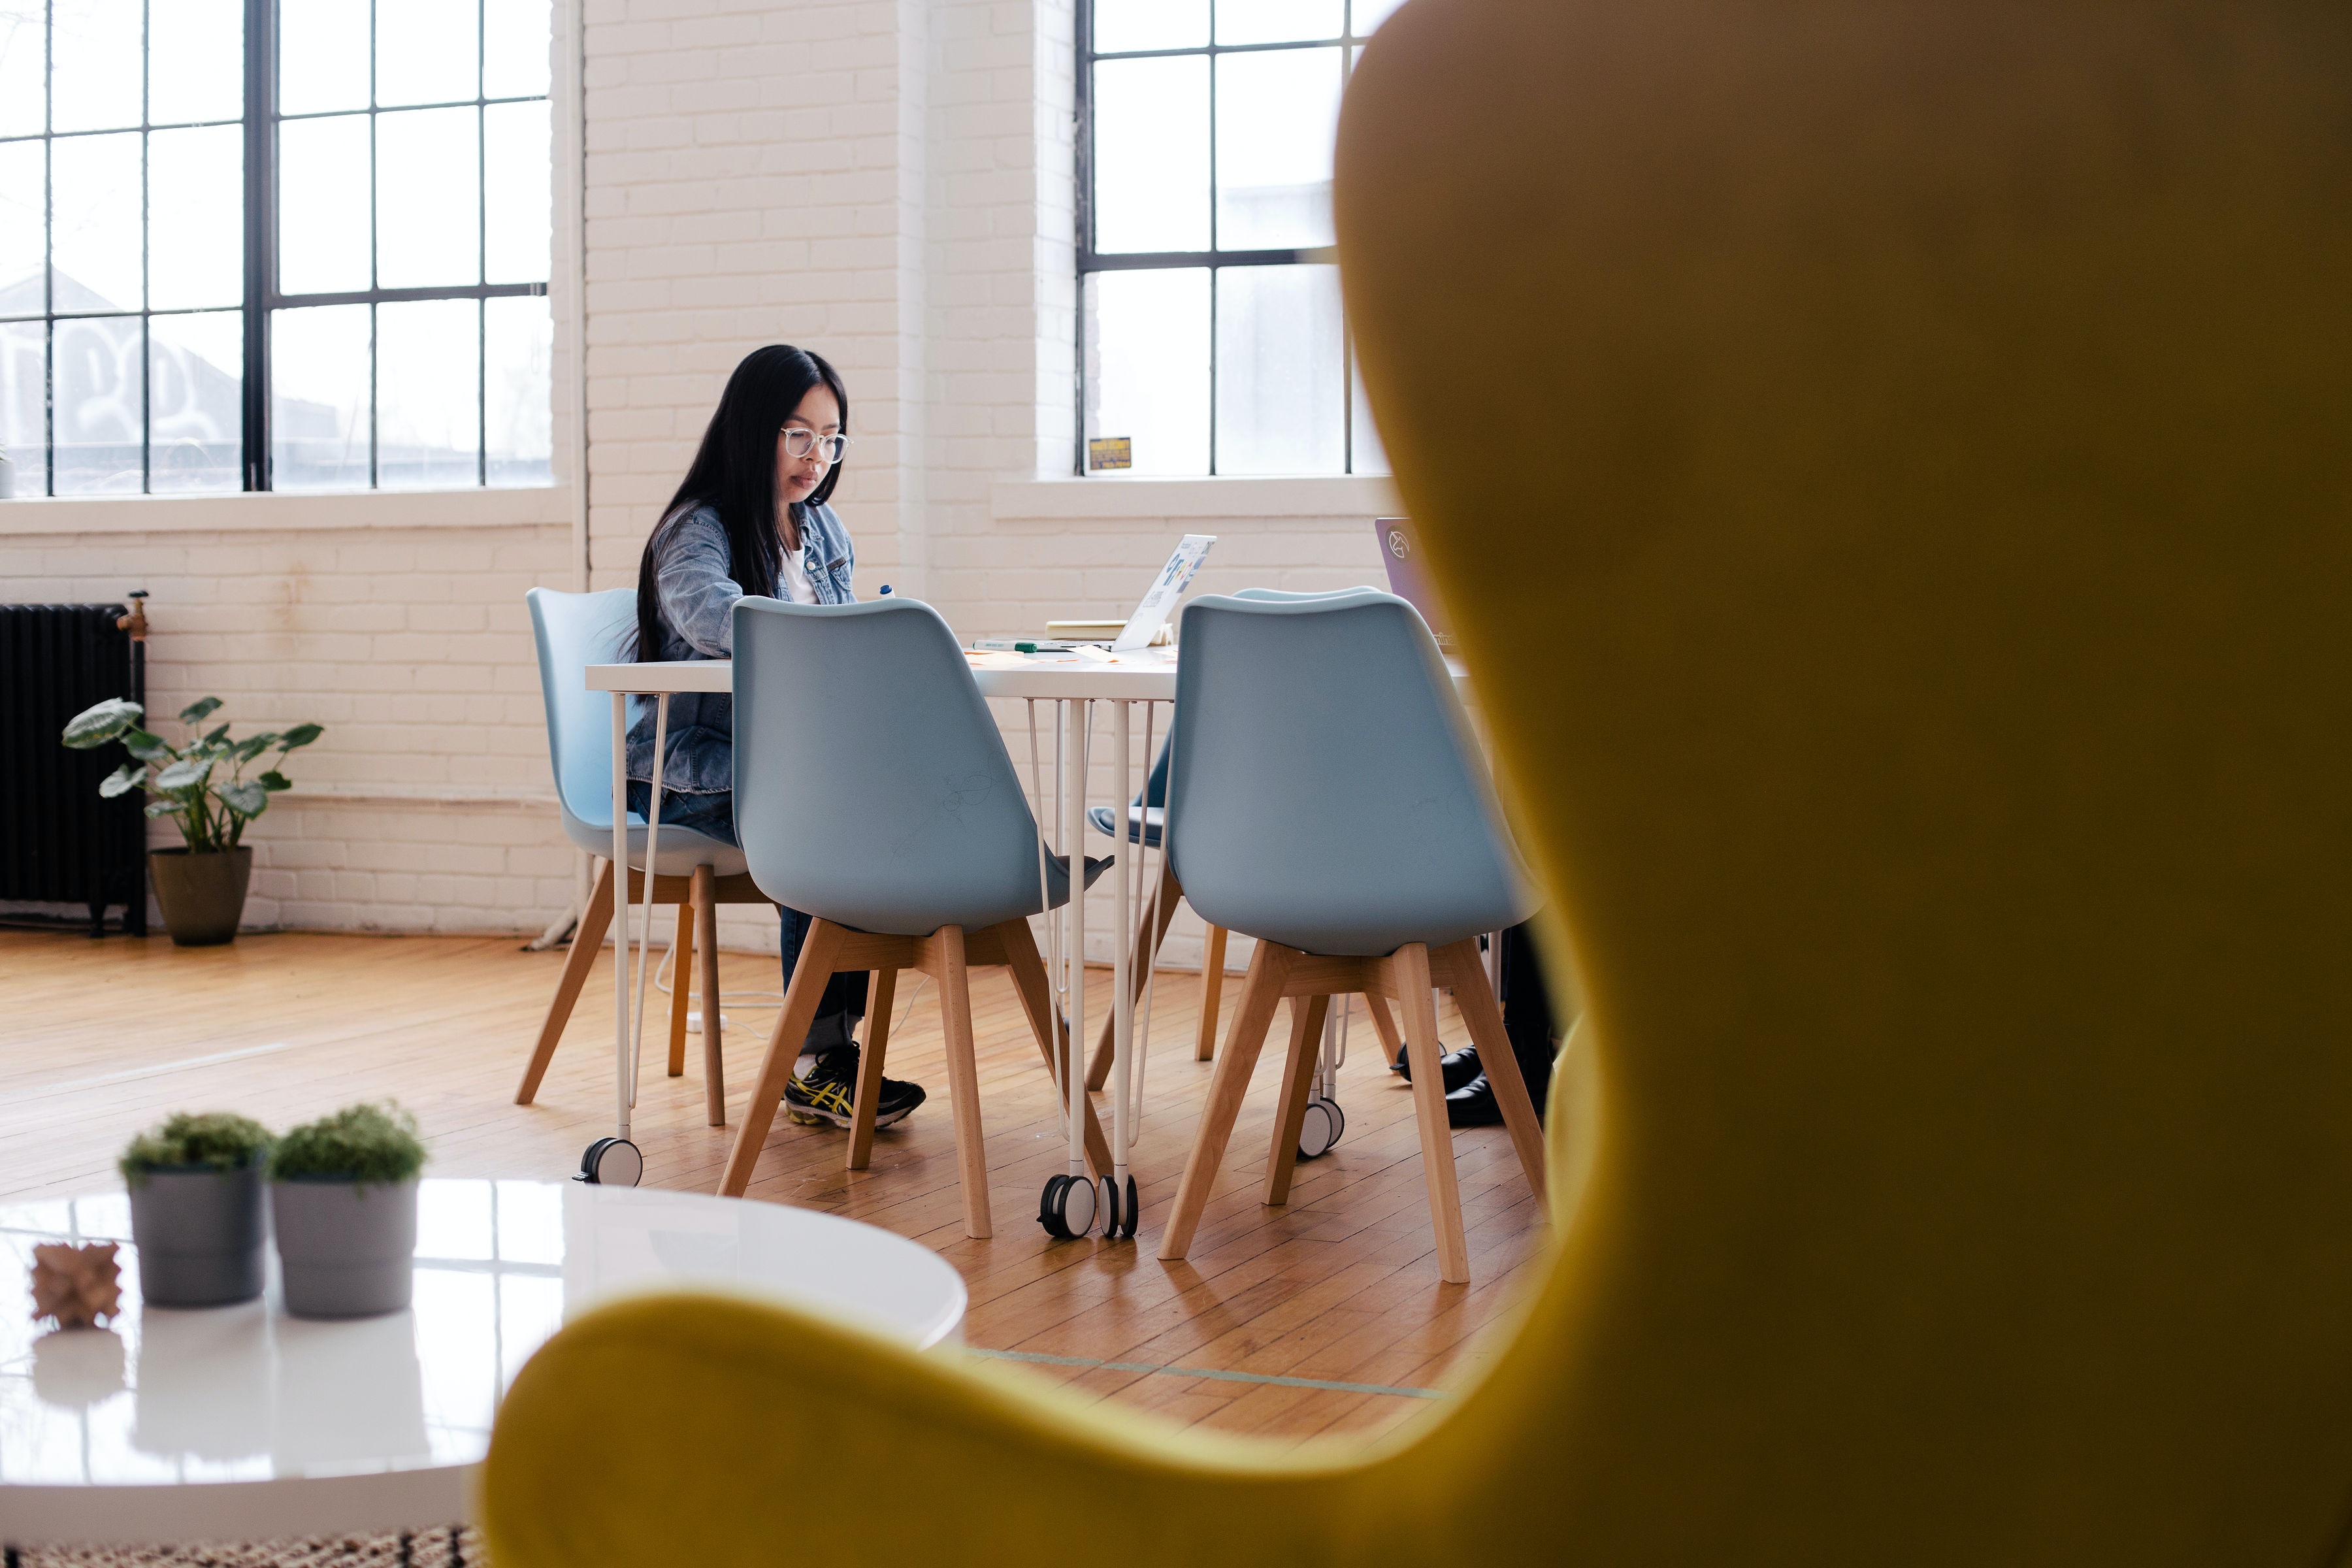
{"x":242,"y":1424}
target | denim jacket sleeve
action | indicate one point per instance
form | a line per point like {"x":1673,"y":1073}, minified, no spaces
{"x":698,"y":594}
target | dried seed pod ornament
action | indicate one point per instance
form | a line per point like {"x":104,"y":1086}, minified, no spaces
{"x":76,"y":1285}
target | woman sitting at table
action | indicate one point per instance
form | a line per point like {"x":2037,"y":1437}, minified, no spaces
{"x":750,"y":519}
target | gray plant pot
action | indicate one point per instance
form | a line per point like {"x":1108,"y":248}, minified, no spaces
{"x":199,"y":1236}
{"x":345,"y":1250}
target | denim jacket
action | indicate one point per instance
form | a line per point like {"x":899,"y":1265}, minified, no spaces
{"x":693,"y":575}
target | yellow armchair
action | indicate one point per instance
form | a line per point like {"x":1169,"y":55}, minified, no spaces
{"x":1897,"y":452}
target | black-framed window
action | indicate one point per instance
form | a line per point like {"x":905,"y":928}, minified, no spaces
{"x":1210,"y":335}
{"x":253,"y":245}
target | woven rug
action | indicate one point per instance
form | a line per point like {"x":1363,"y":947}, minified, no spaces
{"x":428,"y":1549}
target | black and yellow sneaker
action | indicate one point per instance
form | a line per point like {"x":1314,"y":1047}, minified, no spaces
{"x":827,"y":1095}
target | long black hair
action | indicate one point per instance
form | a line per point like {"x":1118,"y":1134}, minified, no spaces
{"x":735,"y":471}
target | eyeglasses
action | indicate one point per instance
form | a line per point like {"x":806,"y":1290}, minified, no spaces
{"x":799,"y":443}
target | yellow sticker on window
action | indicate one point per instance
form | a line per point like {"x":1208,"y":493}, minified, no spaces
{"x":1111,"y":452}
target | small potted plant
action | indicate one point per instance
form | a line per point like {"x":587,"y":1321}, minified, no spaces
{"x":202,"y":783}
{"x":342,"y":1191}
{"x":196,"y":1209}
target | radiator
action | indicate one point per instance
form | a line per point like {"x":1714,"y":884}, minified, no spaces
{"x":58,"y":842}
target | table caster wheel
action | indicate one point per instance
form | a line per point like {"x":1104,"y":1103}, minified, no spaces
{"x":611,"y":1163}
{"x":1119,"y":1215}
{"x":1321,"y":1127}
{"x":1067,"y":1208}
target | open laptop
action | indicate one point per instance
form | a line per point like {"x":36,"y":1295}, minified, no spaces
{"x":1401,"y":554}
{"x":1151,"y":613}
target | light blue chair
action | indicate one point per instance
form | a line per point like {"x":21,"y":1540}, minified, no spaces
{"x":696,"y":873}
{"x":1325,"y":796}
{"x":873,"y":792}
{"x":1145,"y":817}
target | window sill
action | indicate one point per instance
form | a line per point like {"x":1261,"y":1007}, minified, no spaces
{"x":1100,"y":500}
{"x":277,"y":511}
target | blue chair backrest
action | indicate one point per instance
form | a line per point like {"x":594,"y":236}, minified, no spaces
{"x":872,"y":787}
{"x":1325,"y":789}
{"x":574,"y":631}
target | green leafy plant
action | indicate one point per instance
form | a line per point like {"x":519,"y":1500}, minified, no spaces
{"x":202,"y":780}
{"x":367,"y":1144}
{"x":215,"y":1139}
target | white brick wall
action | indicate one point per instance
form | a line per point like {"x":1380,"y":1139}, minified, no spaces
{"x":888,"y":181}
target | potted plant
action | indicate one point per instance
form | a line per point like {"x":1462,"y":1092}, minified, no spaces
{"x":196,"y":1209}
{"x":342,"y":1192}
{"x":201,"y":781}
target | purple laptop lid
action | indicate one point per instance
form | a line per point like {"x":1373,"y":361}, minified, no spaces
{"x":1401,"y":554}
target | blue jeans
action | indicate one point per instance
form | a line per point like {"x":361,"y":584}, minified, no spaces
{"x":713,"y":816}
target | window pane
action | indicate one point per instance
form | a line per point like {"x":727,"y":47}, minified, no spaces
{"x":1277,"y":117}
{"x":1148,"y":366}
{"x":24,"y":402}
{"x":518,"y":342}
{"x":195,"y":401}
{"x":1151,"y":155}
{"x":427,"y":198}
{"x":98,"y":396}
{"x":428,"y":397}
{"x":196,"y":61}
{"x":94,"y":65}
{"x":1369,"y":457}
{"x":515,"y":48}
{"x":323,"y":56}
{"x":24,"y":66}
{"x":322,"y":204}
{"x":24,"y":234}
{"x":319,"y":408}
{"x":424,"y":51}
{"x":516,"y":159}
{"x":1150,"y":24}
{"x":1366,"y":16}
{"x":195,"y":217}
{"x":97,"y":202}
{"x":1278,"y":21}
{"x":1279,"y":392}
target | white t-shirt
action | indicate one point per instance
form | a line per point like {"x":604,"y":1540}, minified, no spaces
{"x":792,"y":581}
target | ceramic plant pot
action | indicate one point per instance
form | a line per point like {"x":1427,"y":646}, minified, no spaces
{"x":344,"y":1250}
{"x":199,"y":1235}
{"x":203,"y":895}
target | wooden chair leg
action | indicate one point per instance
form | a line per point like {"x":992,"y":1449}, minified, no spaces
{"x":963,"y":1081}
{"x":1410,"y":968}
{"x":1384,"y":1025}
{"x":681,"y":986}
{"x":1212,"y":992}
{"x":822,"y":946}
{"x":1037,"y":1001}
{"x":706,"y":926}
{"x":587,"y":938}
{"x":1260,"y":993}
{"x":1485,"y":1016}
{"x":869,"y":1069}
{"x":1307,"y":1015}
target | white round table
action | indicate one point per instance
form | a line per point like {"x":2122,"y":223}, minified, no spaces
{"x":243,"y":1424}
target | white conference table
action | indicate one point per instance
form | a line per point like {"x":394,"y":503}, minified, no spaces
{"x":243,"y":1424}
{"x":1074,"y":683}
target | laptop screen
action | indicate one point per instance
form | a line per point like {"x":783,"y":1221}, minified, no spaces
{"x":1401,"y":554}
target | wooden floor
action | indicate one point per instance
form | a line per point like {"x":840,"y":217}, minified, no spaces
{"x":1326,"y":1315}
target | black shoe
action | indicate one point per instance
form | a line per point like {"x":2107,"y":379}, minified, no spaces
{"x":829,"y":1094}
{"x":1460,"y":1066}
{"x":1474,"y":1105}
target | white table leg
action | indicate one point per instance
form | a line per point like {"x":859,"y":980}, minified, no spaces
{"x":621,"y":909}
{"x":1074,"y":843}
{"x":1122,"y":1008}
